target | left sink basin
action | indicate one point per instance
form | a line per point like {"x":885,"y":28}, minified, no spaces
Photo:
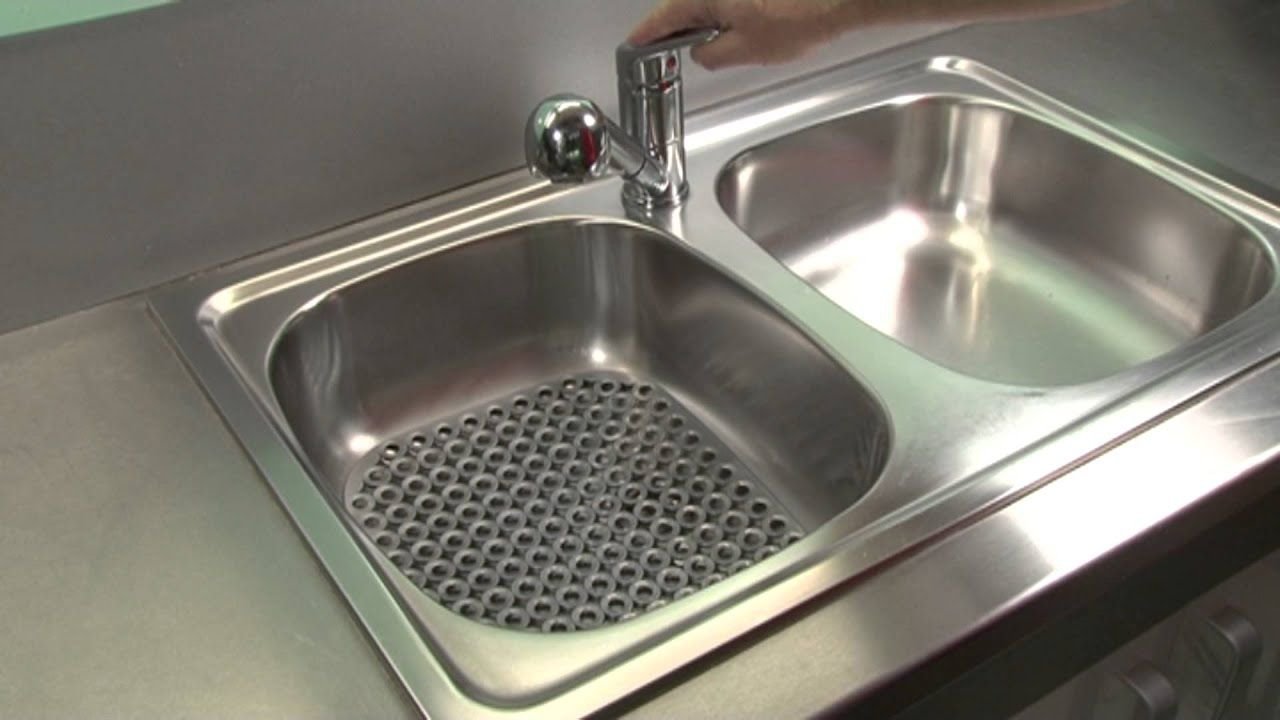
{"x":545,"y":368}
{"x":566,"y":425}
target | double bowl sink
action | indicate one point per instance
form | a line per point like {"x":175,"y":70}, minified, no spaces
{"x":890,"y":305}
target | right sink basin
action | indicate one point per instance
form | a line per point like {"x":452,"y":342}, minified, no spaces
{"x":993,"y":243}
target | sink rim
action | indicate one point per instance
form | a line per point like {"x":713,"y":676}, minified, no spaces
{"x":196,"y":314}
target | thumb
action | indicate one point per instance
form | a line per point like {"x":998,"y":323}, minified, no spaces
{"x":730,"y":48}
{"x":670,"y":17}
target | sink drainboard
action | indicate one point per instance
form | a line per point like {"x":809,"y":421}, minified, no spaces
{"x":568,"y":506}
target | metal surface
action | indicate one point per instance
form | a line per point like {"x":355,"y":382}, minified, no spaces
{"x":751,"y":329}
{"x":374,"y":358}
{"x":651,"y":109}
{"x":567,"y":138}
{"x":994,"y":243}
{"x":579,"y":503}
{"x":926,"y":603}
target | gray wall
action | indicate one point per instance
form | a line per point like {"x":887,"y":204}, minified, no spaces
{"x":139,"y":148}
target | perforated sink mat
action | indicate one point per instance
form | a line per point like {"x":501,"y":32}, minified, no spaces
{"x":566,"y":507}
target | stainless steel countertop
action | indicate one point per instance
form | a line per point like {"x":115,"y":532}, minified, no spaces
{"x":99,"y":397}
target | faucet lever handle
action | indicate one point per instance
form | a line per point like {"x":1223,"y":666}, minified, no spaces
{"x":658,"y":61}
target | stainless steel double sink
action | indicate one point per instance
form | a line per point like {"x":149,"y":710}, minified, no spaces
{"x":899,"y":301}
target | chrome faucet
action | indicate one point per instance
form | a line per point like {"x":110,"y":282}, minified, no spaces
{"x":569,"y":139}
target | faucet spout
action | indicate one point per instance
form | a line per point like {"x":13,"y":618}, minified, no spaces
{"x":569,"y":139}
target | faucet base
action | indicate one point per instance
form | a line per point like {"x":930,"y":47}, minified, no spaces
{"x":635,"y":195}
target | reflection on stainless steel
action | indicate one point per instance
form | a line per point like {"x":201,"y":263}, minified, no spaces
{"x":1055,"y":530}
{"x":568,"y":138}
{"x":994,"y":243}
{"x":931,"y":419}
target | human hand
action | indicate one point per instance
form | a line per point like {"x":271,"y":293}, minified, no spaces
{"x":758,"y":32}
{"x":763,"y":32}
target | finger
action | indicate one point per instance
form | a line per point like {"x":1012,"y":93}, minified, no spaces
{"x":670,"y":17}
{"x":730,"y":48}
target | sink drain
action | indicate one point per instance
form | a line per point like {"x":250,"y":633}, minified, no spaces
{"x":566,"y":507}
